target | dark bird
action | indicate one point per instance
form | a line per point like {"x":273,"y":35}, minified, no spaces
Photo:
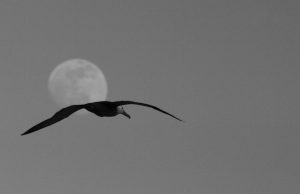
{"x":101,"y":109}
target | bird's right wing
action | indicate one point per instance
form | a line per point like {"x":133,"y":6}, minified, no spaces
{"x":60,"y":115}
{"x":121,"y":103}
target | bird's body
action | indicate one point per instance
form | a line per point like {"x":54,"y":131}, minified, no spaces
{"x":101,"y":109}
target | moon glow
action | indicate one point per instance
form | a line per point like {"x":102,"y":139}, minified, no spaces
{"x":77,"y":81}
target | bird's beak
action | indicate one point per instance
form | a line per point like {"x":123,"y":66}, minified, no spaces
{"x":126,"y":115}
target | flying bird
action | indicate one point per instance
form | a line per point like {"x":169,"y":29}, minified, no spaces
{"x":101,"y":109}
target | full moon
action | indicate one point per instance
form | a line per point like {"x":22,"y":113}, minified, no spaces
{"x":77,"y":81}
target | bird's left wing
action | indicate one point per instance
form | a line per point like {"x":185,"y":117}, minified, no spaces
{"x":120,"y":103}
{"x":60,"y":115}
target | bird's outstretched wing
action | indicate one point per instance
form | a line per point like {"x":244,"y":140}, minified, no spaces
{"x":60,"y":115}
{"x":120,"y":103}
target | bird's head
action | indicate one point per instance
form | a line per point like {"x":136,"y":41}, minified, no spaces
{"x":120,"y":110}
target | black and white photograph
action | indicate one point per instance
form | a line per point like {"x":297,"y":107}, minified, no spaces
{"x":149,"y":97}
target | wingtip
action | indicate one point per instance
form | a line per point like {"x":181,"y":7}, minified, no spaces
{"x":181,"y":120}
{"x":25,"y":133}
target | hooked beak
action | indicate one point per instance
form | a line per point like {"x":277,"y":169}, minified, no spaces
{"x":126,"y":115}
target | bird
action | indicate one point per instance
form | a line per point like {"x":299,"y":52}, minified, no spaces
{"x":100,"y":108}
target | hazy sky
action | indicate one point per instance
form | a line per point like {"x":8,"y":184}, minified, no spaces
{"x":229,"y":68}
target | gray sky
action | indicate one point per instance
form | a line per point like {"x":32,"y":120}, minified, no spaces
{"x":229,"y":68}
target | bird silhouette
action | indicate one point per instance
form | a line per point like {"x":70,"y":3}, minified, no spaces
{"x":101,"y":109}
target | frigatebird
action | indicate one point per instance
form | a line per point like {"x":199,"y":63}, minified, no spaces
{"x":101,"y":109}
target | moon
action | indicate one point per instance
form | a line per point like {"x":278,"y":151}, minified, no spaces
{"x":77,"y":81}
